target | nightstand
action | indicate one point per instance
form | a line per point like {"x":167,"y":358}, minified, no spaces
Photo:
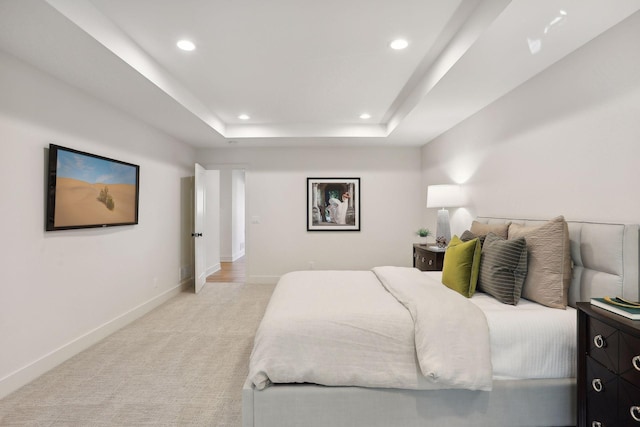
{"x":426,"y":258}
{"x":608,"y":376}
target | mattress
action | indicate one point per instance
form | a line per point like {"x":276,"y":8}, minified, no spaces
{"x":344,"y":328}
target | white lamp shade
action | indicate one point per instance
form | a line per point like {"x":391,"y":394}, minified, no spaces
{"x":444,"y":196}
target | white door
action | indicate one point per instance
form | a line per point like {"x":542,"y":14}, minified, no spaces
{"x":198,"y":226}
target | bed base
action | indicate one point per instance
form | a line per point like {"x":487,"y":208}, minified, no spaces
{"x":537,"y":402}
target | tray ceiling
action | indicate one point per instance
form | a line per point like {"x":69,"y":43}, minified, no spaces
{"x":303,"y":71}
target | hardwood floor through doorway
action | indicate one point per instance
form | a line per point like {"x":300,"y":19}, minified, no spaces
{"x":230,"y":272}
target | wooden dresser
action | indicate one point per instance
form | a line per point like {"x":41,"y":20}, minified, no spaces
{"x":608,"y":376}
{"x":427,"y":259}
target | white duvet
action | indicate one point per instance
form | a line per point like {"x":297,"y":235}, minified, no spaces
{"x":344,"y":328}
{"x":451,"y":334}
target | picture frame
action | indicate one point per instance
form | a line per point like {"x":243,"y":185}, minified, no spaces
{"x":86,"y":190}
{"x":333,"y":204}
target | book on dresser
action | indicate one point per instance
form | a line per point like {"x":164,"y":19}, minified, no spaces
{"x":620,"y":307}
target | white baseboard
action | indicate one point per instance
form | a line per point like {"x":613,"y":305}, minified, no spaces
{"x":233,"y":257}
{"x":213,"y":269}
{"x":25,"y":375}
{"x":238,"y":255}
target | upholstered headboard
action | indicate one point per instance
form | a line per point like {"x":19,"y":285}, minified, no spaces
{"x":605,"y":258}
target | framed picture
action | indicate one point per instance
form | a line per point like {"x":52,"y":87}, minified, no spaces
{"x":86,"y":190}
{"x":333,"y":204}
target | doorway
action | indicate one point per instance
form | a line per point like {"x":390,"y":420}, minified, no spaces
{"x":225,"y":224}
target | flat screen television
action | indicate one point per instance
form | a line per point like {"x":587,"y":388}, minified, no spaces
{"x":86,"y":190}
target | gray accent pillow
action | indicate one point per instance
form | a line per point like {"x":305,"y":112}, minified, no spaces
{"x":503,"y":268}
{"x":468,"y":235}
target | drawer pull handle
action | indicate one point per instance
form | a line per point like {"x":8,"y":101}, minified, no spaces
{"x":598,"y":341}
{"x":422,"y":259}
{"x":635,"y":412}
{"x":596,"y":424}
{"x":636,"y":362}
{"x":430,"y":262}
{"x":597,"y":385}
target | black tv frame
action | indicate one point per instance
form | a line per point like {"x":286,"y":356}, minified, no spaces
{"x":53,"y":196}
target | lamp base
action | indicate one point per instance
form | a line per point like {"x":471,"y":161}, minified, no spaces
{"x":443,"y":229}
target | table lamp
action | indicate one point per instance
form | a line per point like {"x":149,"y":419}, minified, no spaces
{"x":444,"y":196}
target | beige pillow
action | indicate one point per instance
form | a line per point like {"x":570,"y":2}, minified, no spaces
{"x":499,"y":230}
{"x":548,"y":262}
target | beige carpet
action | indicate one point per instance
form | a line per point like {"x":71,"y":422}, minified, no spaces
{"x":182,"y":364}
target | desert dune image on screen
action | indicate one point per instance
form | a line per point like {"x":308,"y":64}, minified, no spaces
{"x":91,"y":191}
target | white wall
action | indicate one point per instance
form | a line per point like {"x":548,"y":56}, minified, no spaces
{"x":566,"y":142}
{"x":237,"y":214}
{"x":212,"y":221}
{"x":226,"y":215}
{"x":61,"y":291}
{"x":275,"y":179}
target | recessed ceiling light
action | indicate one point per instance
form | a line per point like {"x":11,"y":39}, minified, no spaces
{"x":186,"y":45}
{"x":365,"y":116}
{"x":399,"y":44}
{"x":244,"y":117}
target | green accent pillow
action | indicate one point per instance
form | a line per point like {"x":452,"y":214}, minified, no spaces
{"x":461,"y":266}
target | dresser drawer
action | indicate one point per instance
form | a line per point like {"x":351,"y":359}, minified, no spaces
{"x":629,"y":405}
{"x":603,"y":344}
{"x":602,"y":395}
{"x":427,"y":260}
{"x":629,"y":360}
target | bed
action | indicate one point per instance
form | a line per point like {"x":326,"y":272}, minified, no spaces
{"x":604,"y":260}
